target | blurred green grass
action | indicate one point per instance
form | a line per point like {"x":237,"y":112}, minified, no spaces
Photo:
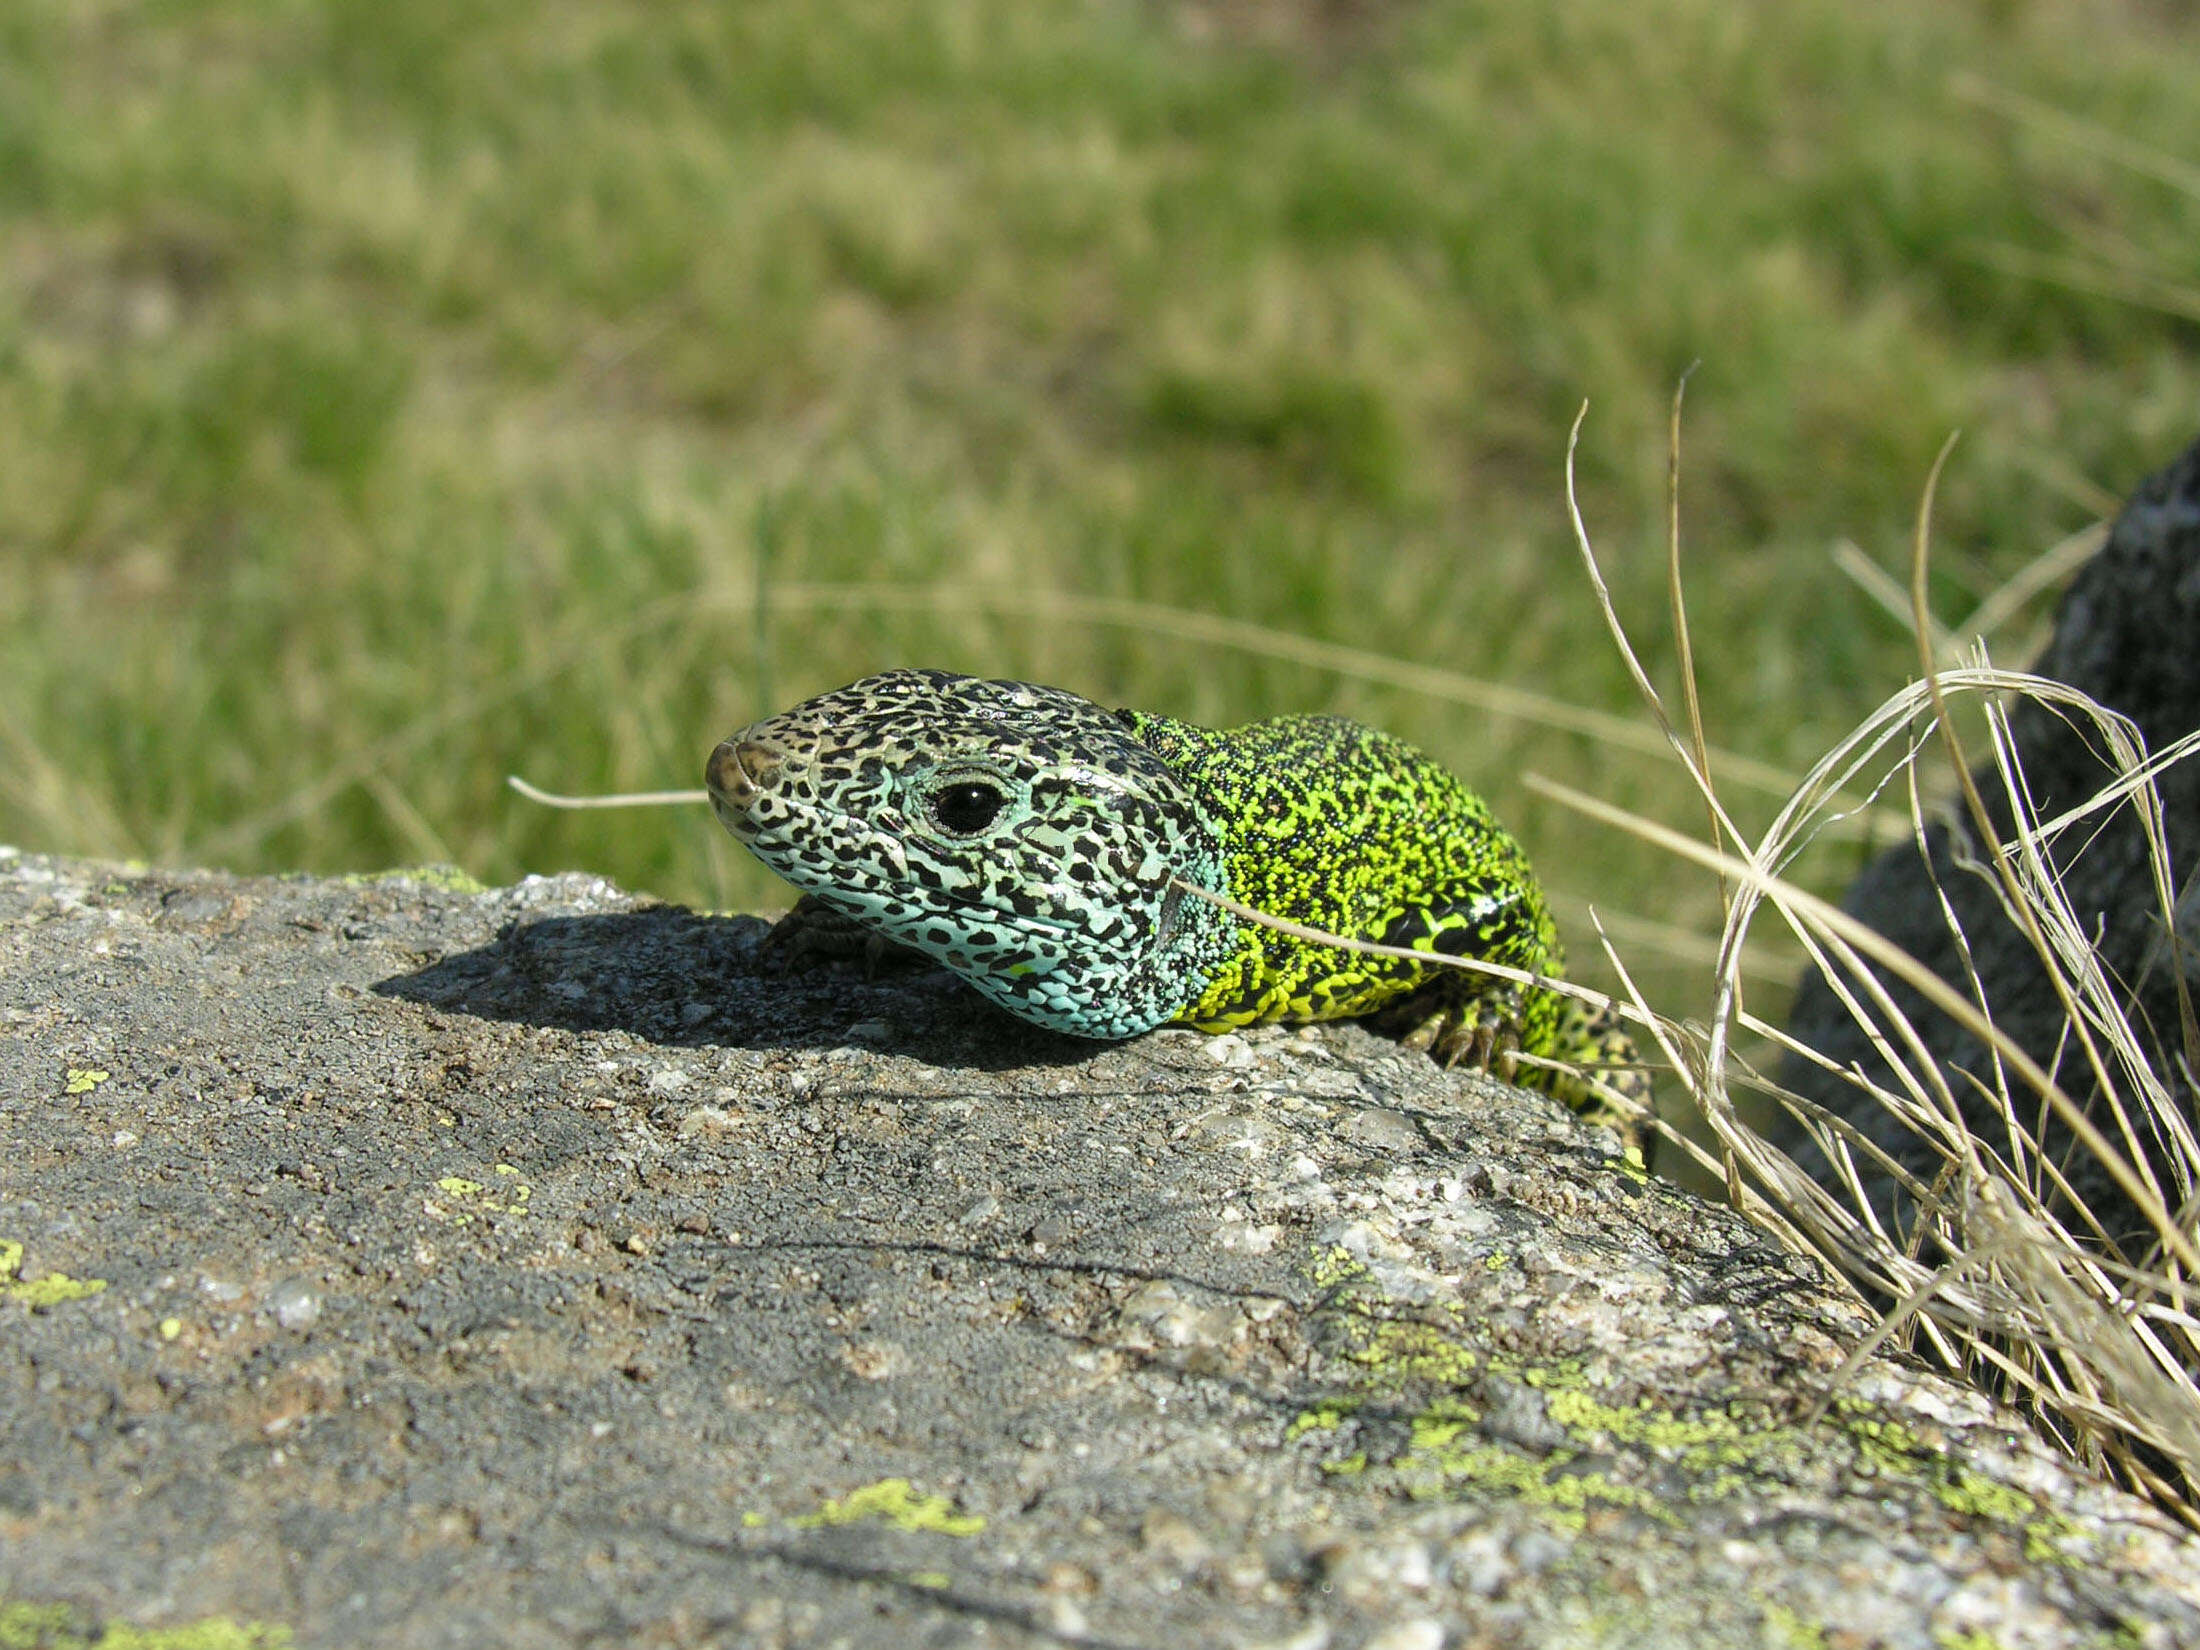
{"x":393,"y":396}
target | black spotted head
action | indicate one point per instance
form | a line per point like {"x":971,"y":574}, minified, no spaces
{"x":1020,"y":835}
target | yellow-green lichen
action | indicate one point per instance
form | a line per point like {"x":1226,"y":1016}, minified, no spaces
{"x":510,"y":1200}
{"x":83,"y":1079}
{"x":1334,"y":1268}
{"x":1966,"y":1492}
{"x":1393,"y":1350}
{"x":1326,"y":1416}
{"x":50,"y":1290}
{"x":1977,"y":1638}
{"x":1396,"y":1351}
{"x":1551,"y":1375}
{"x":1882,"y":1445}
{"x":931,"y":1580}
{"x":449,"y":878}
{"x":1713,"y":1438}
{"x":1893,"y":1450}
{"x":1720,"y":1453}
{"x":893,"y":1501}
{"x":1439,"y":1426}
{"x":1444,"y":1453}
{"x":25,"y":1626}
{"x":2044,"y":1538}
{"x":1438,"y":1461}
{"x":1785,"y":1630}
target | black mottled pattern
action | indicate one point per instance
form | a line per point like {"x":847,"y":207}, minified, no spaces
{"x":1058,"y":905}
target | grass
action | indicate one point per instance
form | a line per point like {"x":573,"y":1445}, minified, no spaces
{"x":2044,"y":1243}
{"x":2033,"y":1233}
{"x":395,"y":396}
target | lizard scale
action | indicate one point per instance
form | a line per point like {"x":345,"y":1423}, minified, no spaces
{"x":1037,"y":844}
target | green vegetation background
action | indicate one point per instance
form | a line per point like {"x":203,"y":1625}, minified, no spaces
{"x":396,"y":395}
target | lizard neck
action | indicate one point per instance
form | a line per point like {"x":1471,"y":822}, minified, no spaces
{"x":1199,"y":938}
{"x":1233,"y":956}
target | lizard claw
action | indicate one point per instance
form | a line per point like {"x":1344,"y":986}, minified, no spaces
{"x":815,"y":932}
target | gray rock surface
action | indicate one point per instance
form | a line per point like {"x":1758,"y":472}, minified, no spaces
{"x":539,"y":1266}
{"x":2128,"y":634}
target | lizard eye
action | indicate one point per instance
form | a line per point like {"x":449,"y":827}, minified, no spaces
{"x":967,"y":807}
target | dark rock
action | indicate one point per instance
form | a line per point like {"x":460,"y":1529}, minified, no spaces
{"x":2128,"y":634}
{"x":567,"y":1315}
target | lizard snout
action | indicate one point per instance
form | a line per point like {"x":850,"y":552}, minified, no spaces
{"x":739,"y":771}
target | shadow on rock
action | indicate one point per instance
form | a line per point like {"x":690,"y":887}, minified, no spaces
{"x":673,"y":977}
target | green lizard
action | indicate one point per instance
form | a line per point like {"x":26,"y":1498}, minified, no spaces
{"x":1036,"y":843}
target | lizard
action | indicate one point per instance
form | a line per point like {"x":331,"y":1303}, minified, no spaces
{"x":1038,"y":844}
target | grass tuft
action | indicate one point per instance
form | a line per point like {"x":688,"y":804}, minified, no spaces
{"x":1999,"y":1224}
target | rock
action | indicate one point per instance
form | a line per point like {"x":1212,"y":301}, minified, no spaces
{"x":461,"y":1285}
{"x":2128,"y":634}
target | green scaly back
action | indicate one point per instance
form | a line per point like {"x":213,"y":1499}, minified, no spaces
{"x":1343,"y":828}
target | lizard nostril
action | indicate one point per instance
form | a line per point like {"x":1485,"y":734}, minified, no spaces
{"x":739,"y":769}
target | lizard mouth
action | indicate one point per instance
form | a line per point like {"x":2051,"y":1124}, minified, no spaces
{"x":874,"y":859}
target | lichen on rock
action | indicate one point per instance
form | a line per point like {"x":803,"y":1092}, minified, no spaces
{"x":1312,"y":1343}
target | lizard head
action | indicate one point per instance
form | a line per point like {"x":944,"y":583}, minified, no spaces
{"x":1020,"y":835}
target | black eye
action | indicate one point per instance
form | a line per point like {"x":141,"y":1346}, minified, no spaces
{"x":967,"y":808}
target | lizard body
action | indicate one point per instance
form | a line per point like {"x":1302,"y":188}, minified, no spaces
{"x":1027,"y":838}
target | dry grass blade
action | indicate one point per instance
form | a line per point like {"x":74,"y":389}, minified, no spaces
{"x":1979,"y":1226}
{"x":1672,"y":739}
{"x":588,"y":639}
{"x":1683,"y":644}
{"x":1634,"y":1011}
{"x":1886,"y":592}
{"x":620,"y":799}
{"x":1828,"y":922}
{"x":1638,"y":935}
{"x":1440,"y":959}
{"x":2139,"y":1384}
{"x":2052,"y":122}
{"x":2046,"y":570}
{"x":2138,"y":287}
{"x":1211,"y":630}
{"x":585,"y":638}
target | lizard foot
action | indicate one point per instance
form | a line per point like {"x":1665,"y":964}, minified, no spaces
{"x":1591,"y":1067}
{"x":1482,"y":1031}
{"x":815,"y":932}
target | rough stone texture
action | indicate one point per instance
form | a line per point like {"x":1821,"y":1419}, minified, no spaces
{"x":2128,"y":634}
{"x":542,"y":1267}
